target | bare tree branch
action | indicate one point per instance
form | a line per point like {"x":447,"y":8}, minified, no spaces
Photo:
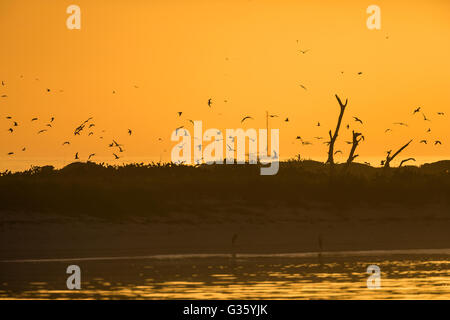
{"x":405,"y":160}
{"x":389,"y":158}
{"x":355,"y":143}
{"x":334,"y":136}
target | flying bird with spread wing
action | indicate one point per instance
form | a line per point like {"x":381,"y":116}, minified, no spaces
{"x":245,"y":118}
{"x":358,"y":120}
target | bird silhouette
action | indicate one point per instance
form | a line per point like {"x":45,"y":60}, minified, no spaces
{"x":91,"y":155}
{"x":303,"y":87}
{"x":229,"y":147}
{"x":437,"y":142}
{"x":401,"y":124}
{"x":304,"y":51}
{"x":360,"y":73}
{"x":129,"y":132}
{"x":416,"y":110}
{"x":318,"y":124}
{"x":180,"y":113}
{"x":357,"y":119}
{"x":429,"y":130}
{"x":76,"y":156}
{"x":440,"y":113}
{"x":176,"y":130}
{"x":34,"y":119}
{"x":209,"y":102}
{"x":116,"y":156}
{"x":10,"y":153}
{"x":15,"y":124}
{"x":11,"y":130}
{"x":423,"y":141}
{"x":338,"y":151}
{"x":24,"y":148}
{"x":52,"y":119}
{"x":42,"y":131}
{"x":273,"y":115}
{"x":245,"y":118}
{"x":286,"y":120}
{"x":66,"y":142}
{"x":425,"y":117}
{"x":387,"y":130}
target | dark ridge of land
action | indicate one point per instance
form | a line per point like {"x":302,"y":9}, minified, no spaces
{"x":88,"y":209}
{"x":158,"y":189}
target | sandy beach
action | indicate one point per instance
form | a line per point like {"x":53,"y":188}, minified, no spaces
{"x":41,"y":236}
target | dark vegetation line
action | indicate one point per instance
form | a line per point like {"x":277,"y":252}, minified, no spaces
{"x":153,"y":189}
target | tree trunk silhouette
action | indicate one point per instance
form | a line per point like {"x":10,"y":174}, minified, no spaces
{"x":389,"y":158}
{"x":356,"y":141}
{"x":334,"y":136}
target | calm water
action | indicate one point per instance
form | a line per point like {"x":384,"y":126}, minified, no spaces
{"x":295,"y":276}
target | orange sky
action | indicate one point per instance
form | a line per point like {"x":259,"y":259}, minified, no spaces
{"x":181,"y":53}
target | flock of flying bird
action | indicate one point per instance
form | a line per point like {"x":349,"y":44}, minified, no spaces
{"x":88,"y":124}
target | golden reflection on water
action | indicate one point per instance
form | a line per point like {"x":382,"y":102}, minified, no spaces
{"x":269,"y":278}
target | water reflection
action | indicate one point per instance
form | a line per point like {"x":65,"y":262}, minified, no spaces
{"x":403,"y":277}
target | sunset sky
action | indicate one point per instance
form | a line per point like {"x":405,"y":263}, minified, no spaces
{"x":247,"y":53}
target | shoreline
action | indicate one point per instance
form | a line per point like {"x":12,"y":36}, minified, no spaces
{"x":45,"y":236}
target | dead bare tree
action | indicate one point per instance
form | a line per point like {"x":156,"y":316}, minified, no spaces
{"x":334,"y":136}
{"x":357,"y":138}
{"x":406,"y":160}
{"x":389,"y":158}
